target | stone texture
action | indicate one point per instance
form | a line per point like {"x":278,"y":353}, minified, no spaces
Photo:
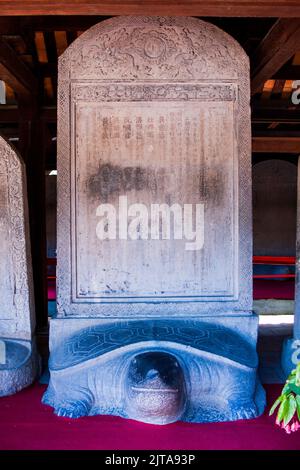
{"x":155,"y":109}
{"x":133,"y":130}
{"x":20,"y":368}
{"x":156,"y":371}
{"x":17,"y":317}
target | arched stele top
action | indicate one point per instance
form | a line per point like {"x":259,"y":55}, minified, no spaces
{"x":16,"y":296}
{"x":154,"y":48}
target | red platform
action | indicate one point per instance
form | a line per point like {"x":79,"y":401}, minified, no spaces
{"x":27,"y":424}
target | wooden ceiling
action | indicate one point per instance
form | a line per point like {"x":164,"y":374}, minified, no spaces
{"x":226,"y":8}
{"x":30,"y":47}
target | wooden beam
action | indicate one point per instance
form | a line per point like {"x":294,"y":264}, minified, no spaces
{"x":290,"y":72}
{"x":11,"y":114}
{"x":229,"y":8}
{"x":275,"y":133}
{"x":15,"y":73}
{"x":71,"y":36}
{"x":48,"y":69}
{"x":277,"y":47}
{"x":10,"y":25}
{"x":17,"y":25}
{"x":274,"y":104}
{"x":49,"y":114}
{"x":277,"y":110}
{"x":52,"y":57}
{"x":276,"y":145}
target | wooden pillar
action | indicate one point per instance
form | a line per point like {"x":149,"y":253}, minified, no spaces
{"x":291,"y":346}
{"x":32,"y":148}
{"x":297,"y":267}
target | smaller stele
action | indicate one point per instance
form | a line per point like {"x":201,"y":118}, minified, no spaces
{"x":19,"y":362}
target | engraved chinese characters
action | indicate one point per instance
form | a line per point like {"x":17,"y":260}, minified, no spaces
{"x":137,"y":146}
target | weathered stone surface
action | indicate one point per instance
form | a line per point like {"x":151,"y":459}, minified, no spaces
{"x":20,"y":367}
{"x":128,"y":368}
{"x":167,"y":126}
{"x":154,"y":111}
{"x":18,"y":362}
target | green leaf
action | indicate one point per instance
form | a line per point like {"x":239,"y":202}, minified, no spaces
{"x":283,"y":409}
{"x":286,"y":389}
{"x":298,"y":406}
{"x":277,"y":402}
{"x":292,"y":375}
{"x":292,"y":406}
{"x":298,"y":376}
{"x":294,"y":388}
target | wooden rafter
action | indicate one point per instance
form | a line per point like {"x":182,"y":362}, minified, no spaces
{"x":277,"y":47}
{"x":17,"y":25}
{"x":289,"y":72}
{"x":276,"y":145}
{"x":52,"y":58}
{"x":14,"y":72}
{"x":10,"y":114}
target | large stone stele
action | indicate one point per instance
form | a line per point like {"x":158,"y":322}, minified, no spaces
{"x":154,"y":111}
{"x":18,"y":358}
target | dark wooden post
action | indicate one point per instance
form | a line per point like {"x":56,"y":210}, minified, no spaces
{"x":32,"y":148}
{"x":297,"y":267}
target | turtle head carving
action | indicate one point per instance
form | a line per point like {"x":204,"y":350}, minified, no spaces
{"x":155,"y":388}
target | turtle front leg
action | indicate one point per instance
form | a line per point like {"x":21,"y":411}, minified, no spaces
{"x":75,"y":406}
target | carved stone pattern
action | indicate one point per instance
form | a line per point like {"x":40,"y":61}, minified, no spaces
{"x":63,"y":193}
{"x":159,"y":92}
{"x":245,"y":192}
{"x":153,"y":47}
{"x":18,"y":220}
{"x":97,"y":340}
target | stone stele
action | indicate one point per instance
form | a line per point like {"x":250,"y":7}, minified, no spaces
{"x":150,"y":325}
{"x":18,"y":357}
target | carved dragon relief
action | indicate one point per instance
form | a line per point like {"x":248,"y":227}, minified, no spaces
{"x":158,"y":48}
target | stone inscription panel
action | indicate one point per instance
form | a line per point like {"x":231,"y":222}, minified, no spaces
{"x":178,"y":153}
{"x":7,"y":310}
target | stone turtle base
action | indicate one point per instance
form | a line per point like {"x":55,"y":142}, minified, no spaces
{"x":19,"y":365}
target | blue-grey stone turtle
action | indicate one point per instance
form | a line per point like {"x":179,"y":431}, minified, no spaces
{"x":156,"y":371}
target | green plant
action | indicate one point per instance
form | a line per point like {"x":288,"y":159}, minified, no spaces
{"x":288,"y":415}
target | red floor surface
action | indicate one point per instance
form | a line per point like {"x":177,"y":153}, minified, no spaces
{"x":27,"y":424}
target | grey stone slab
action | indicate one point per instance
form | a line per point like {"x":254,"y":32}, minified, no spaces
{"x":17,"y":316}
{"x":151,"y":325}
{"x":173,"y":127}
